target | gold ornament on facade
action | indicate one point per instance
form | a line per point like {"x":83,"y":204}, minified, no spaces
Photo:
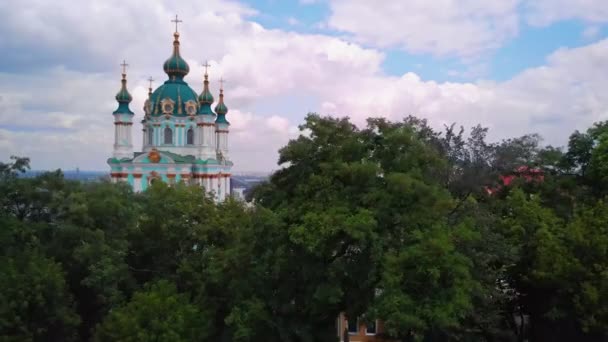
{"x":191,"y":108}
{"x":167,"y":106}
{"x":154,"y":156}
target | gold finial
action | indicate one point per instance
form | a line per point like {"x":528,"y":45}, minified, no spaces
{"x":124,"y":66}
{"x":222,"y":81}
{"x":176,"y":21}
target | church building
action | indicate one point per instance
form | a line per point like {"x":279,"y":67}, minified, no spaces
{"x":184,"y":140}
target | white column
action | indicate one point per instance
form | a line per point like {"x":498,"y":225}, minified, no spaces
{"x":136,"y":184}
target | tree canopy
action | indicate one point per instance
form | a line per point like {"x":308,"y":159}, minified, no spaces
{"x":440,"y":234}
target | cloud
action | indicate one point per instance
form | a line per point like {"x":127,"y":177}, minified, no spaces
{"x":546,"y":12}
{"x":60,"y":114}
{"x":463,"y":28}
{"x":554,"y":99}
{"x":591,"y":32}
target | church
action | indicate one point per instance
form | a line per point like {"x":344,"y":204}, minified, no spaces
{"x":184,"y":139}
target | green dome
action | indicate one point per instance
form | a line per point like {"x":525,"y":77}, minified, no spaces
{"x":178,"y":91}
{"x":221,"y":110}
{"x":205,"y":99}
{"x":176,"y":67}
{"x":124,"y":98}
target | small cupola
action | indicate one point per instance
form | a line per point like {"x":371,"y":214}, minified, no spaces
{"x":221,"y":110}
{"x":123,"y":97}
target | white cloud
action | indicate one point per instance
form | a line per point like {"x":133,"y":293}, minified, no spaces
{"x":462,"y":28}
{"x":545,"y":12}
{"x":64,"y":116}
{"x":565,"y":94}
{"x":292,"y":21}
{"x":591,"y":32}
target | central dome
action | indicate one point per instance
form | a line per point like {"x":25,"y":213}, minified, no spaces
{"x":178,"y":93}
{"x":174,"y":97}
{"x":176,"y":67}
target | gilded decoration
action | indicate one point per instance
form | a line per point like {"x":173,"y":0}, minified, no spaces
{"x":154,"y":156}
{"x":167,"y":106}
{"x":191,"y":107}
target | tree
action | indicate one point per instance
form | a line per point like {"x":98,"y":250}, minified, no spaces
{"x":359,"y":206}
{"x":35,"y":304}
{"x":158,"y":313}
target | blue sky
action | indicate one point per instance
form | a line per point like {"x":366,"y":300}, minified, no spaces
{"x":515,"y":66}
{"x":528,"y":49}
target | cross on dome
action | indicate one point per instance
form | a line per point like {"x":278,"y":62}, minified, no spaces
{"x":176,"y":21}
{"x":124,"y":66}
{"x":206,"y":65}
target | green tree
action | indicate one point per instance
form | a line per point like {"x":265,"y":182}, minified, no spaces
{"x":35,"y":304}
{"x":158,"y":313}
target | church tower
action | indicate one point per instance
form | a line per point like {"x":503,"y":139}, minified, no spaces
{"x":221,"y":133}
{"x":123,"y":120}
{"x":205,"y":123}
{"x":221,"y":127}
{"x":184,"y":141}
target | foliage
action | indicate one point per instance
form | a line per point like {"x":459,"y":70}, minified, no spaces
{"x":394,"y":221}
{"x":158,"y":313}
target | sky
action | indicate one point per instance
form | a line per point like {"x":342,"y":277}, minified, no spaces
{"x":514,"y":66}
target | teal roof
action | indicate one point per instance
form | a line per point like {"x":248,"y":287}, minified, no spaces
{"x":205,"y":99}
{"x":178,"y":158}
{"x":176,"y":67}
{"x":221,"y":110}
{"x":177,"y":90}
{"x":124,"y":98}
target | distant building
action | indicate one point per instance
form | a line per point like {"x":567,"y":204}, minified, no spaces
{"x":184,"y":140}
{"x":355,"y":330}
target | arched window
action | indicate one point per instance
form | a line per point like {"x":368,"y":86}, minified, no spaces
{"x":168,"y":136}
{"x":150,"y":135}
{"x":190,"y":137}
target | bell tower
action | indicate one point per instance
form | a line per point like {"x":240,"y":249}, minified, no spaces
{"x":123,"y":120}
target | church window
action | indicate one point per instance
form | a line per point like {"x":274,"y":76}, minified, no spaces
{"x":168,"y":136}
{"x":353,"y":326}
{"x":150,"y":136}
{"x":371,"y":328}
{"x":190,"y":137}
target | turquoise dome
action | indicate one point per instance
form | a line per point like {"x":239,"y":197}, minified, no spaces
{"x":176,"y":67}
{"x":221,"y":110}
{"x":205,"y":99}
{"x":177,"y":91}
{"x":124,"y":98}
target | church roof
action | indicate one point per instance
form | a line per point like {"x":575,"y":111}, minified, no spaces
{"x":123,"y":97}
{"x":205,"y":99}
{"x":221,"y":109}
{"x":176,"y":67}
{"x":178,"y":91}
{"x":175,"y":91}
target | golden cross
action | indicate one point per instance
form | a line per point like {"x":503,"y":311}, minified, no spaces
{"x":150,"y":80}
{"x":206,"y":65}
{"x":222,"y":81}
{"x":176,"y":21}
{"x":124,"y":66}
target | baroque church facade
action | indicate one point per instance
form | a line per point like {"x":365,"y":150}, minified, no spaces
{"x":184,"y":139}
